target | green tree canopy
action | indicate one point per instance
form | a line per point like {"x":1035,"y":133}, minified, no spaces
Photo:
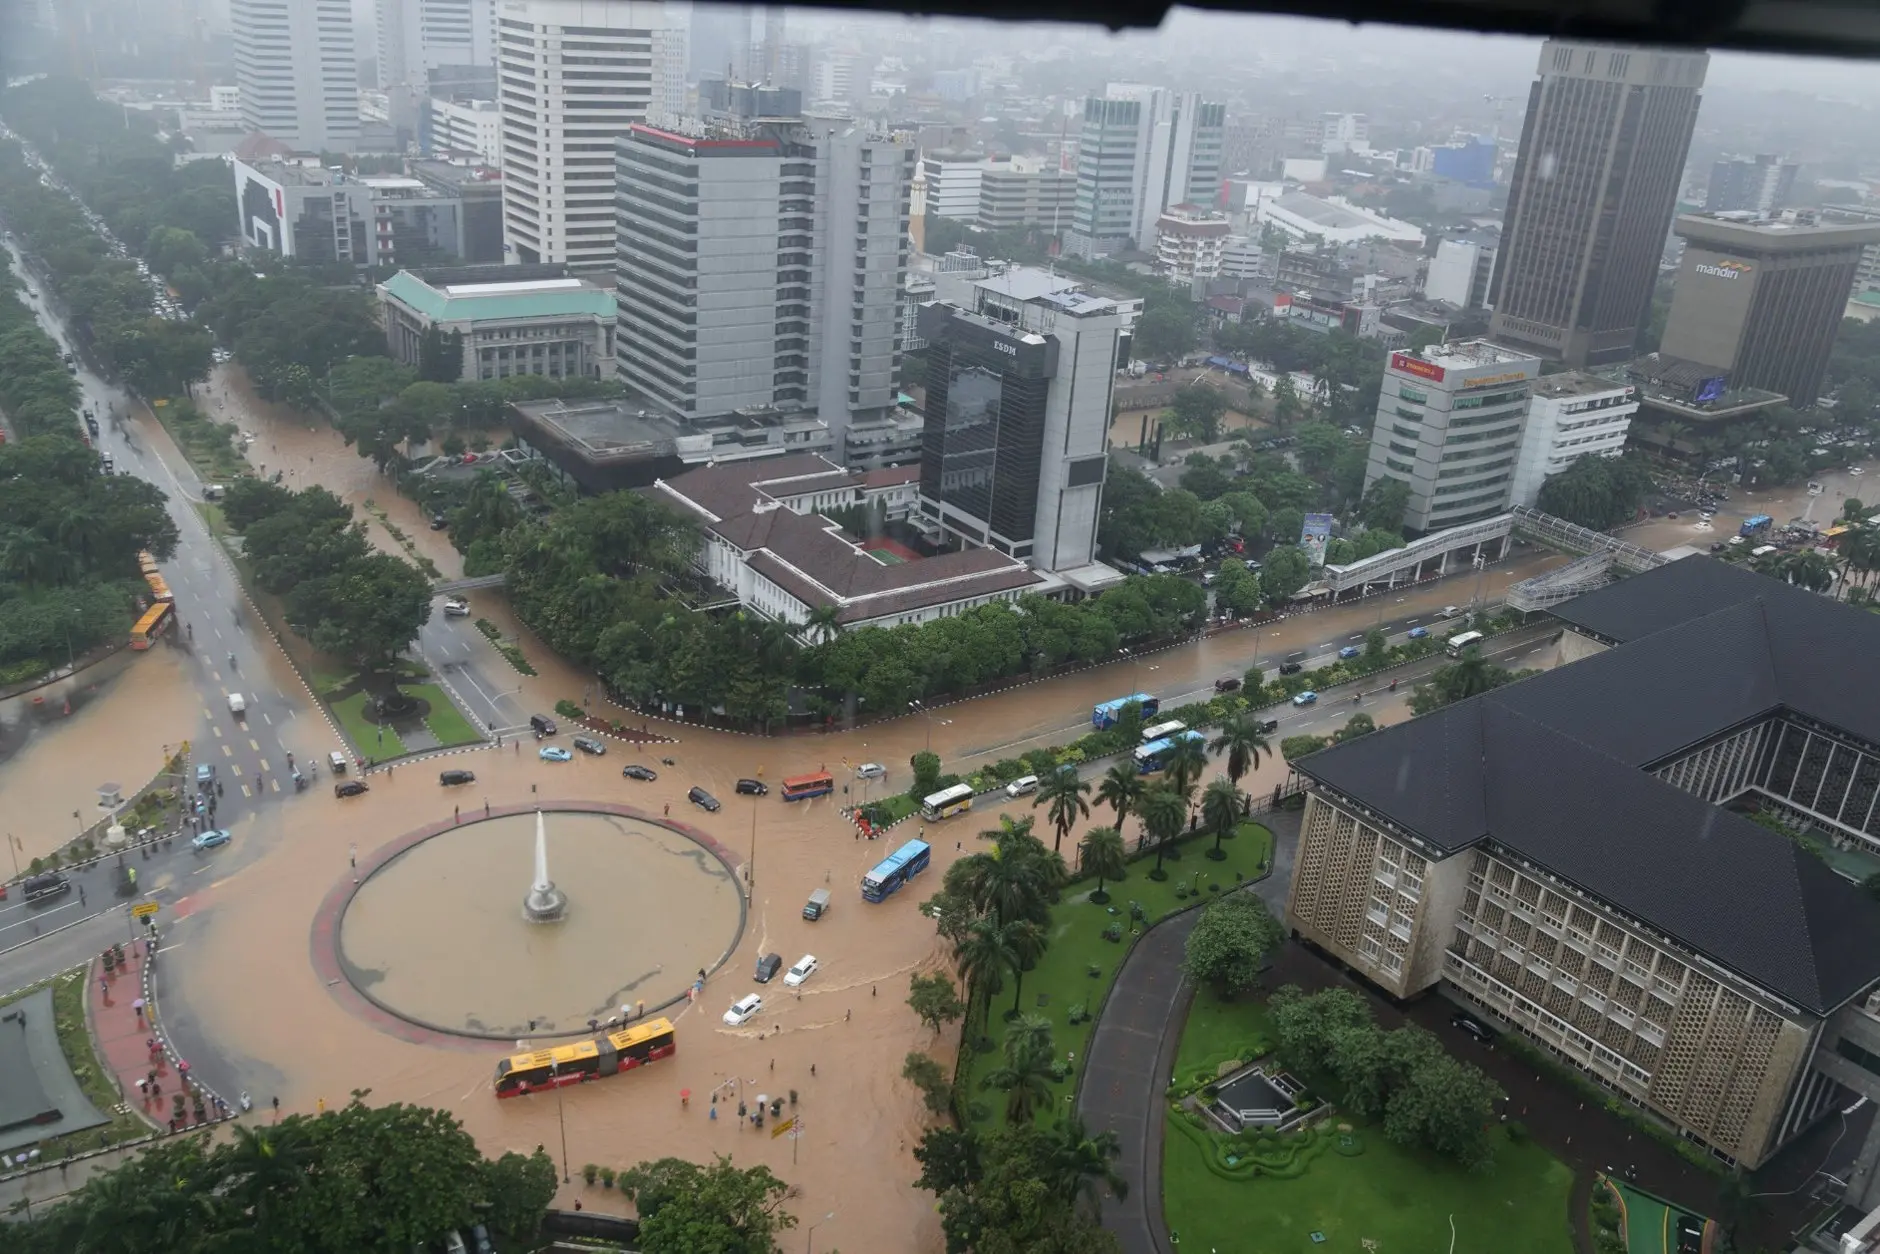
{"x":1231,"y":942}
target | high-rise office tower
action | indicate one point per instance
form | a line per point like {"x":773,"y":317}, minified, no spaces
{"x":1590,"y":204}
{"x":417,"y":36}
{"x":1017,"y":417}
{"x":575,"y":75}
{"x":1759,"y":184}
{"x":1141,"y":150}
{"x":760,"y":260}
{"x":295,"y":62}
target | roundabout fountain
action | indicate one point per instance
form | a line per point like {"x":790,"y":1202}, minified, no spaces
{"x":431,"y":934}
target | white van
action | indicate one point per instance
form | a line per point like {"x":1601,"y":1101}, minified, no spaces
{"x":237,"y":704}
{"x":1022,"y":785}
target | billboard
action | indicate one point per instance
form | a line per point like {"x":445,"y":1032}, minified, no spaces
{"x":1709,"y":389}
{"x":1416,"y":366}
{"x":1314,"y":535}
{"x":1724,"y":268}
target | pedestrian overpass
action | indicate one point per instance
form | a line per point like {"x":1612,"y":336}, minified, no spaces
{"x":1488,"y":540}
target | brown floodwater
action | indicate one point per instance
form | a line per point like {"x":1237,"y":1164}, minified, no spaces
{"x":438,"y":934}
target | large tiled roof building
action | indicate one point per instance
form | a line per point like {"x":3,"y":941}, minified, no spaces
{"x":1567,"y":854}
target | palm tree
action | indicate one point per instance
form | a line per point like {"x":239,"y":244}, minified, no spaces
{"x":1026,"y":1076}
{"x":1241,"y":741}
{"x":1016,"y":879}
{"x":1809,"y":569}
{"x":1162,"y":811}
{"x":1028,"y":942}
{"x":1121,"y":788}
{"x":265,"y":1167}
{"x":1471,"y":676}
{"x":1186,"y":759}
{"x":984,"y":955}
{"x":1104,"y":856}
{"x":823,"y":624}
{"x":1065,"y":793}
{"x":1223,"y":806}
{"x":1080,"y":1163}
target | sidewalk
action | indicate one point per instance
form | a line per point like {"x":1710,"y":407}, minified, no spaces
{"x":122,"y":1034}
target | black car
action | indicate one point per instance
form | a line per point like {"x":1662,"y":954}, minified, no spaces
{"x":447,"y":778}
{"x":45,"y":887}
{"x":1267,"y":726}
{"x":702,"y":799}
{"x":1290,"y":668}
{"x":767,"y":967}
{"x":439,"y":522}
{"x":587,"y":744}
{"x":753,"y":787}
{"x":1466,"y":1022}
{"x":351,"y":788}
{"x":636,"y":771}
{"x":543,"y":724}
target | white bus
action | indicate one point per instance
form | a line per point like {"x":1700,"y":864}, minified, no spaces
{"x":1465,"y":640}
{"x":947,"y":802}
{"x":1162,"y":731}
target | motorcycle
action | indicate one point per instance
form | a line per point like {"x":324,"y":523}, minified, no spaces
{"x":667,"y":762}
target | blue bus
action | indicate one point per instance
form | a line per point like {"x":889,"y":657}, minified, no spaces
{"x":901,"y":866}
{"x":1149,"y":757}
{"x":1106,"y":714}
{"x":1755,"y":525}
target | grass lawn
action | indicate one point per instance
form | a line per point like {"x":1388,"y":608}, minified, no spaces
{"x":365,"y":734}
{"x":1397,"y":1198}
{"x":444,"y":720}
{"x":1062,"y":976}
{"x":893,"y":807}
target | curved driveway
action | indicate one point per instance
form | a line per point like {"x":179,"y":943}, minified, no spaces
{"x":1134,"y":1046}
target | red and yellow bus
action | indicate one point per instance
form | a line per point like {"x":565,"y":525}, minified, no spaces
{"x":801,"y":787}
{"x":159,"y":588}
{"x":586,"y":1060}
{"x":154,"y":623}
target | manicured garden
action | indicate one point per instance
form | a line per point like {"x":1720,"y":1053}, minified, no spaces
{"x":372,"y":739}
{"x":1086,"y":944}
{"x":1270,"y":1192}
{"x":443,"y":718}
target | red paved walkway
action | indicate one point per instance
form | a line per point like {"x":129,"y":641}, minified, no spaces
{"x":123,"y":1034}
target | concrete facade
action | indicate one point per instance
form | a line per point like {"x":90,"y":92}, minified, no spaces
{"x":576,"y":75}
{"x":296,"y":65}
{"x":1141,"y":150}
{"x":1449,"y":424}
{"x":1570,"y":416}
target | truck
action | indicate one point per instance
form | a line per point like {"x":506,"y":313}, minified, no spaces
{"x":1755,"y":525}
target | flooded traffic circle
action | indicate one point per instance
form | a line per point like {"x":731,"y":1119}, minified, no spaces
{"x":439,"y":935}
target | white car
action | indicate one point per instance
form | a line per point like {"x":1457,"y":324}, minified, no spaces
{"x":871,"y":770}
{"x":804,"y":968}
{"x":743,"y":1009}
{"x":237,"y":704}
{"x":456,"y":607}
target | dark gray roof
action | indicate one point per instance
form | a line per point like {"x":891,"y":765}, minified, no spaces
{"x":1553,"y":769}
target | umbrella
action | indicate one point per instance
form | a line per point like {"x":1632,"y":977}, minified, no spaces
{"x":685,"y":1092}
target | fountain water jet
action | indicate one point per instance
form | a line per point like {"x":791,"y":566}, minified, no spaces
{"x":545,"y":903}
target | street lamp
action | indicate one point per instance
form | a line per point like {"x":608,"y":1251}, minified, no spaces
{"x":562,"y":1118}
{"x":809,"y":1242}
{"x":918,"y":708}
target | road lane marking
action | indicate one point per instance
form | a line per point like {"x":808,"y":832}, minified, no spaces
{"x":255,"y":745}
{"x":236,"y":769}
{"x":264,"y":761}
{"x":217,"y":729}
{"x":228,"y":751}
{"x":246,"y":792}
{"x":275,"y":784}
{"x":268,"y":718}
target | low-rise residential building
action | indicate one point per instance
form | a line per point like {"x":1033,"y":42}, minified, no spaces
{"x":508,"y":323}
{"x":1570,"y":416}
{"x":766,"y":540}
{"x":1568,"y":855}
{"x":1189,"y":241}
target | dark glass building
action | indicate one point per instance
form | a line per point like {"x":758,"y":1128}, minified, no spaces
{"x":983,"y":443}
{"x":1590,"y":205}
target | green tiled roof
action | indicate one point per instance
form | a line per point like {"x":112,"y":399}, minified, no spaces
{"x":439,"y":306}
{"x":1868,"y":297}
